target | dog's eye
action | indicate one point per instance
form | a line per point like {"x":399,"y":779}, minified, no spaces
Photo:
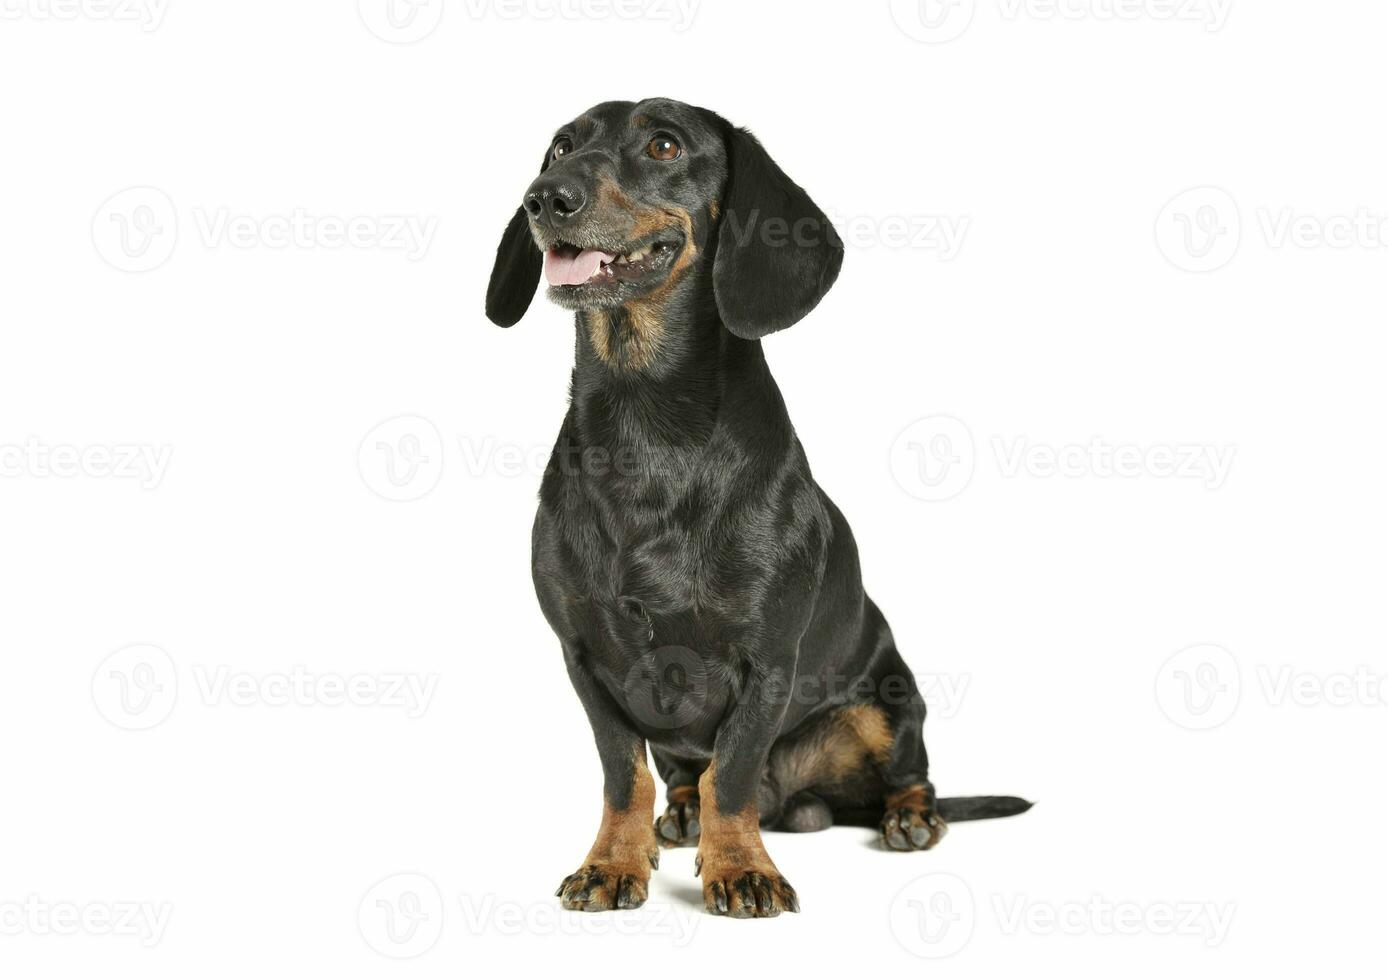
{"x":663,"y":147}
{"x":561,"y":146}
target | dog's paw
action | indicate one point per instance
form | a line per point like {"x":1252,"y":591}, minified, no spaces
{"x":741,"y":882}
{"x":749,"y":895}
{"x":678,"y":826}
{"x":600,"y":888}
{"x":909,"y":828}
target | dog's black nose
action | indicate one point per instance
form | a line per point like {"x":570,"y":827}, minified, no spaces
{"x":554,"y":202}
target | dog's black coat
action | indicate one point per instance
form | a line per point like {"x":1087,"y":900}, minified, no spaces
{"x":706,"y":592}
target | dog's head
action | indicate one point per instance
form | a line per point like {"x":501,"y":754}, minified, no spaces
{"x":633,"y":197}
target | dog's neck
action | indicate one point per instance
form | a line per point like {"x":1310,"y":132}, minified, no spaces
{"x":656,"y":376}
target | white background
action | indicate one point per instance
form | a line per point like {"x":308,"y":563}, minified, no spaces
{"x":259,"y":371}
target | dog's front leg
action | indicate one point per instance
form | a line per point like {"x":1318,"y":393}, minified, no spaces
{"x":617,"y":870}
{"x":739,"y":877}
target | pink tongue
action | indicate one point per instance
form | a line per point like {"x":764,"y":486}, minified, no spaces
{"x":565,"y":270}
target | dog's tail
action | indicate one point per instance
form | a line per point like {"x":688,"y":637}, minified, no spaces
{"x":957,"y":808}
{"x":953,"y":809}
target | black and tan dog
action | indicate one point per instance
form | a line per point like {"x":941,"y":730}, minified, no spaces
{"x":705,"y":591}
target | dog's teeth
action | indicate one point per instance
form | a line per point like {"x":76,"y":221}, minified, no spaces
{"x":637,"y":256}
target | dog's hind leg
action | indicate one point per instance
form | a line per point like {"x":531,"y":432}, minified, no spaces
{"x":830,"y":762}
{"x":805,"y":813}
{"x":911,"y":820}
{"x":914,"y":819}
{"x":678,"y":826}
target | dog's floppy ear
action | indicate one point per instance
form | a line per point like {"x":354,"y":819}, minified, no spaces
{"x":516,"y":272}
{"x":777,"y":252}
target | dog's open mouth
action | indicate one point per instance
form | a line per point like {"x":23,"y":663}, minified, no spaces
{"x":574,"y":270}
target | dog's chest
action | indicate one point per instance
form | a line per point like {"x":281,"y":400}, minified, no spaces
{"x":650,"y":614}
{"x":667,"y":570}
{"x":655,"y":567}
{"x":641,"y":586}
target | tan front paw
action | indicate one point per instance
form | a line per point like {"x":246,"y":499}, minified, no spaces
{"x":602,"y":887}
{"x":744,"y":886}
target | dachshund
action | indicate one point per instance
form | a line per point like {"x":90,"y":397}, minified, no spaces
{"x":705,"y":591}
